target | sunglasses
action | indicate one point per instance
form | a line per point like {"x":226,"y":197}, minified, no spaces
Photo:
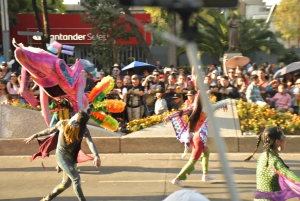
{"x":155,"y":74}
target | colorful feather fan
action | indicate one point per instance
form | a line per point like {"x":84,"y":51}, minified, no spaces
{"x":100,"y":108}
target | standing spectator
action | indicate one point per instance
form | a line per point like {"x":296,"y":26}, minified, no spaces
{"x":288,"y":78}
{"x":5,"y":71}
{"x":296,"y":94}
{"x":3,"y":90}
{"x":280,"y":66}
{"x":231,"y":76}
{"x":253,"y":70}
{"x":212,"y":89}
{"x":134,"y":98}
{"x":241,"y":86}
{"x":153,"y":84}
{"x":90,"y":84}
{"x":116,"y":72}
{"x":145,"y":74}
{"x":181,"y":84}
{"x":13,"y":86}
{"x":170,"y":90}
{"x":227,"y":90}
{"x":126,"y":81}
{"x":159,"y":67}
{"x":262,"y":82}
{"x":253,"y":92}
{"x":160,"y":103}
{"x":283,"y":100}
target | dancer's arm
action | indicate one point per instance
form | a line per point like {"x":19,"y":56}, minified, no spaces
{"x":45,"y":132}
{"x":281,"y":169}
{"x":185,"y":111}
{"x":218,"y":105}
{"x":91,"y":144}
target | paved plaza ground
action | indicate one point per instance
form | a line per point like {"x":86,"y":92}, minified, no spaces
{"x":127,"y":177}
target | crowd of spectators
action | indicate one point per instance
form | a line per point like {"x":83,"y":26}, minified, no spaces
{"x":169,"y":88}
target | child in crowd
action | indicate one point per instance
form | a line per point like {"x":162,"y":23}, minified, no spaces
{"x":7,"y":99}
{"x":160,"y":103}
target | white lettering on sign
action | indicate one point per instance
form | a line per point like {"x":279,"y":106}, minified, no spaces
{"x":61,"y":36}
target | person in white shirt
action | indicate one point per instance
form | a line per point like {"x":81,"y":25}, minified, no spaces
{"x":160,"y":103}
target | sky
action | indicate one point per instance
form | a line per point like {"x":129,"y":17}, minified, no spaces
{"x":271,"y":2}
{"x":71,"y":1}
{"x":268,"y":2}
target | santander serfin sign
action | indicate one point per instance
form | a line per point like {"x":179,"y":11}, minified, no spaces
{"x":75,"y":37}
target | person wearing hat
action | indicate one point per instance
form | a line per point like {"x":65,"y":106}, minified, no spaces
{"x":178,"y":101}
{"x":5,"y":71}
{"x":190,"y":98}
{"x":160,"y":103}
{"x":134,"y":98}
{"x":116,"y":72}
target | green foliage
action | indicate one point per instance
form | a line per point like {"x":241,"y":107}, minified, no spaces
{"x":254,"y":36}
{"x":25,"y":6}
{"x":159,"y":19}
{"x":107,"y":22}
{"x":286,"y":18}
{"x":289,"y":56}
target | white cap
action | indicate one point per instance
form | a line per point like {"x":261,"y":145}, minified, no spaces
{"x":186,"y":195}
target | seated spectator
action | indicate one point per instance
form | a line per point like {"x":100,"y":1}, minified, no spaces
{"x":126,"y":81}
{"x":160,"y":103}
{"x":178,"y":101}
{"x":134,"y":98}
{"x":190,"y":98}
{"x":13,"y":86}
{"x":283,"y":100}
{"x":271,"y":90}
{"x":253,"y":92}
{"x":241,"y":87}
{"x":3,"y":90}
{"x":227,"y":90}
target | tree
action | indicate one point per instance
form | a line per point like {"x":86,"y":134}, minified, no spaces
{"x":138,"y":35}
{"x":165,"y":21}
{"x":212,"y":37}
{"x":25,"y":6}
{"x":286,"y":19}
{"x":44,"y":29}
{"x":254,"y":36}
{"x":289,"y":56}
{"x":108,"y":27}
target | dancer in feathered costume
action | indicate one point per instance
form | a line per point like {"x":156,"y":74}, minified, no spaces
{"x":70,"y":136}
{"x":193,"y":134}
{"x":274,"y":180}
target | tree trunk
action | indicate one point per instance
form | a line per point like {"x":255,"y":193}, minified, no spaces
{"x":46,"y":38}
{"x":37,"y":19}
{"x":138,"y":35}
{"x":171,"y":46}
